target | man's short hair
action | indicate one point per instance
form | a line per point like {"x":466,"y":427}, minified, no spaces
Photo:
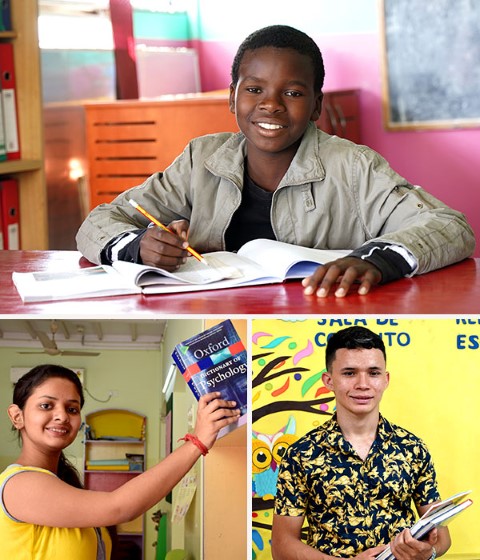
{"x":282,"y":37}
{"x":352,"y":338}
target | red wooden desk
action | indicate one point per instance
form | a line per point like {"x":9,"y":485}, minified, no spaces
{"x":454,"y":290}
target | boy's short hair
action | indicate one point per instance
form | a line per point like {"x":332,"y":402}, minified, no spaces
{"x":352,"y":338}
{"x":282,"y":37}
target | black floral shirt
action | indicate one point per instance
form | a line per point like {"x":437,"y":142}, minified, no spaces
{"x":350,"y":504}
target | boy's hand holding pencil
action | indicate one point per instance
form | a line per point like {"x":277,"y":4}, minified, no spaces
{"x":165,"y":246}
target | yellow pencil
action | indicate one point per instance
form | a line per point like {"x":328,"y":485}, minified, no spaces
{"x":160,"y":225}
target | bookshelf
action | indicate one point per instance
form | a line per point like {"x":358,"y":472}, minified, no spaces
{"x":29,"y":170}
{"x":111,"y":434}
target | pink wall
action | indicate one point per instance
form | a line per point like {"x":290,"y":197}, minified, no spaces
{"x":445,"y":162}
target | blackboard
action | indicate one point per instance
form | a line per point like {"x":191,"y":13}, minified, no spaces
{"x":431,"y":63}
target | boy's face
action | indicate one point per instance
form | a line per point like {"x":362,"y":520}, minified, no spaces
{"x":358,"y":378}
{"x":274,"y":99}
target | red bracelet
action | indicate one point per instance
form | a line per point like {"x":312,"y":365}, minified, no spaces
{"x":195,"y":441}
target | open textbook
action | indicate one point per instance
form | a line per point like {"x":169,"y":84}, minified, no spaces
{"x":437,"y":515}
{"x":261,"y":261}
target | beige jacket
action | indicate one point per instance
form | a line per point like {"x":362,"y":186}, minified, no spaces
{"x":335,"y":195}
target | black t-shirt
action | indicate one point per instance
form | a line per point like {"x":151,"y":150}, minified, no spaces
{"x":252,"y":219}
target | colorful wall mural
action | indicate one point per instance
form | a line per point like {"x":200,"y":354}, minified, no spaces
{"x":434,"y":392}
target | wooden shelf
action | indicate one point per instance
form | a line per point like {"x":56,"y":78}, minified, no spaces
{"x":114,"y":441}
{"x":19,"y":166}
{"x":7,"y":35}
{"x":29,"y":171}
{"x":125,"y":430}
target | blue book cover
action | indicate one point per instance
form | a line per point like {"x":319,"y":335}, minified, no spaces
{"x":5,"y":16}
{"x":215,"y":360}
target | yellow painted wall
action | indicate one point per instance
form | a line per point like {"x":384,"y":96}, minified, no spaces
{"x":434,"y":392}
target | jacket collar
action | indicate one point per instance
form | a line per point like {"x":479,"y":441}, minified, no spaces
{"x":306,"y":167}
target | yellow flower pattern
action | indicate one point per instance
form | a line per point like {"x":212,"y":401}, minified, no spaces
{"x":350,"y":504}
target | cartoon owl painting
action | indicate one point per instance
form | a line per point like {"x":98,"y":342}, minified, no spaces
{"x":267,"y":453}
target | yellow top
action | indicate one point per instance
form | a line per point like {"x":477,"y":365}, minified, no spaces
{"x":24,"y":541}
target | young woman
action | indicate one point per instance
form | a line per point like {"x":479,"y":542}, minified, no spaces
{"x":46,"y":514}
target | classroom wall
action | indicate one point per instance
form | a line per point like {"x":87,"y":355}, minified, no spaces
{"x":444,"y":162}
{"x":169,"y":28}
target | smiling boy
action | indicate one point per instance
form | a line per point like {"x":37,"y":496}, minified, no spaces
{"x":282,"y":178}
{"x":354,"y":478}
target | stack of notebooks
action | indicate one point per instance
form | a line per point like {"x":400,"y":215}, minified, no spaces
{"x":132,"y":462}
{"x":108,"y":465}
{"x":437,"y":515}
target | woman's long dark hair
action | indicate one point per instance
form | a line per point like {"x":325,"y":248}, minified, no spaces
{"x":25,"y":387}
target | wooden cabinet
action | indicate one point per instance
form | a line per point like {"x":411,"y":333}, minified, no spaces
{"x":225,"y":475}
{"x":29,"y":170}
{"x":127,"y":141}
{"x":340,"y":114}
{"x":115,"y":452}
{"x":225,"y":510}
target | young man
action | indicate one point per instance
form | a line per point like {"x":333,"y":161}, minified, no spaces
{"x":354,"y":478}
{"x":282,"y":178}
